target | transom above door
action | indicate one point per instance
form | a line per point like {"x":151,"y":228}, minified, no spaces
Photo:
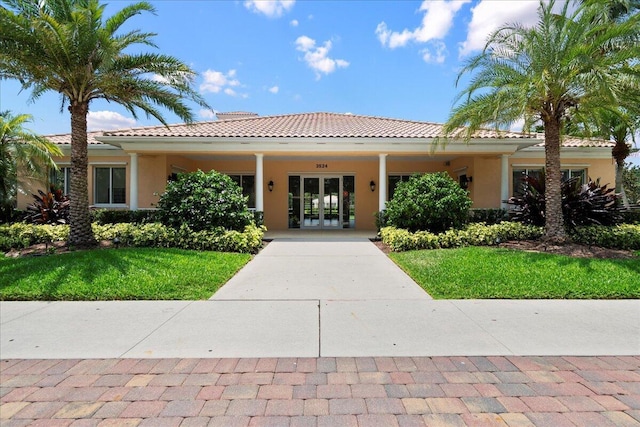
{"x":321,"y":202}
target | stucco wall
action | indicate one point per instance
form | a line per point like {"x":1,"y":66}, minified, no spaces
{"x":484,"y":189}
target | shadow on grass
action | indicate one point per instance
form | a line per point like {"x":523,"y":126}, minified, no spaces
{"x":126,"y":273}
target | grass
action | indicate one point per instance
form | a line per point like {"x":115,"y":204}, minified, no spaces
{"x":481,"y":272}
{"x":118,"y":274}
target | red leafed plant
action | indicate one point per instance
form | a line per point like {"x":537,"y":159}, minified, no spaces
{"x":49,"y":208}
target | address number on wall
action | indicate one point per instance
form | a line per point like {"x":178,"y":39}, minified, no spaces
{"x":321,"y":166}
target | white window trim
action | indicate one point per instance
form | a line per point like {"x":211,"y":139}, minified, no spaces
{"x":111,"y":166}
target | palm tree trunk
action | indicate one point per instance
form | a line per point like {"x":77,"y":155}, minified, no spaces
{"x":554,"y":222}
{"x":80,"y":233}
{"x":620,"y":152}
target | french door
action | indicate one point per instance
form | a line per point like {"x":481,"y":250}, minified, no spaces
{"x":321,"y":202}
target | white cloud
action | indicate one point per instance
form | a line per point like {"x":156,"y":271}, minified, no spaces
{"x":216,"y":82}
{"x":108,"y":120}
{"x":207,"y":114}
{"x":488,"y":16}
{"x":294,"y":23}
{"x":435,"y":25}
{"x":517,"y":126}
{"x":436,"y":53}
{"x":274,"y":89}
{"x":317,"y":57}
{"x":270,"y":8}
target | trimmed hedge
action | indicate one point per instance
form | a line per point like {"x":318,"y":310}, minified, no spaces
{"x":623,"y":236}
{"x":18,"y":236}
{"x":110,"y":216}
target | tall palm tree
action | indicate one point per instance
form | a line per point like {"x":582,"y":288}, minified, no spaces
{"x":68,"y":46}
{"x":23,"y":156}
{"x":566,"y":68}
{"x":622,"y":123}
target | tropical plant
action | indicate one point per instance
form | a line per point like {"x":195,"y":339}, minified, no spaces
{"x":49,"y":208}
{"x":204,"y":201}
{"x":568,"y":67}
{"x":631,"y":182}
{"x":582,"y":203}
{"x":433,"y":202}
{"x":67,"y":46}
{"x":23,"y":156}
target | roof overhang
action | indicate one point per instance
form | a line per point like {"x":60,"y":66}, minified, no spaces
{"x":315,"y":145}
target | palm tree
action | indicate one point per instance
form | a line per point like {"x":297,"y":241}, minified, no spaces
{"x":67,"y":46}
{"x":23,"y":156}
{"x":568,"y":67}
{"x":620,"y":126}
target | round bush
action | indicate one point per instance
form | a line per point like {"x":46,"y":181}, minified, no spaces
{"x":432,"y":202}
{"x":204,"y":201}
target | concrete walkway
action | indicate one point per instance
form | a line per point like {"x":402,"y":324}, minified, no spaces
{"x":316,"y":298}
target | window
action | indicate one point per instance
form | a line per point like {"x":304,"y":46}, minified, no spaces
{"x":248,"y":185}
{"x":520,"y":173}
{"x":394,"y":180}
{"x":109,"y":185}
{"x":61,"y":179}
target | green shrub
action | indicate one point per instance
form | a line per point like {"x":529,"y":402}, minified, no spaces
{"x":110,"y":216}
{"x":631,"y":216}
{"x":623,"y":236}
{"x":204,"y":201}
{"x":160,"y":236}
{"x":21,"y":235}
{"x":249,"y":240}
{"x":476,"y":234}
{"x":432,"y":202}
{"x":488,"y":215}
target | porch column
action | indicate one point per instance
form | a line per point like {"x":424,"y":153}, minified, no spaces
{"x":133,"y":182}
{"x":504,"y":180}
{"x":259,"y":183}
{"x":382,"y":182}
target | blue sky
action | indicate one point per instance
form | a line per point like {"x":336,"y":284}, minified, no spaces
{"x":384,"y":58}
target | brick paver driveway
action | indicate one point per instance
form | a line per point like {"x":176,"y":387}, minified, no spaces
{"x":417,"y":391}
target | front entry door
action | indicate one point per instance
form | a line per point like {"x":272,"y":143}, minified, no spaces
{"x":321,"y":205}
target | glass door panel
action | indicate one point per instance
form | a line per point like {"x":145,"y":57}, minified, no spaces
{"x":321,"y":202}
{"x":311,"y":205}
{"x":331,"y":205}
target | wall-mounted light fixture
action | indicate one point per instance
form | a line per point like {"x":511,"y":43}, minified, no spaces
{"x":372,"y":185}
{"x":270,"y":186}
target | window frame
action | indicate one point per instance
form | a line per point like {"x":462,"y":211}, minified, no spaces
{"x":241,"y":176}
{"x":404,"y":176}
{"x":110,"y":203}
{"x":526,"y":170}
{"x":65,"y":171}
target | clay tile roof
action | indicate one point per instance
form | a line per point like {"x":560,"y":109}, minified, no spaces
{"x":65,"y":138}
{"x":575,"y":142}
{"x":305,"y":125}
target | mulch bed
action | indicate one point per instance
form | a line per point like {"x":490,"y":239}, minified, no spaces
{"x":570,"y":249}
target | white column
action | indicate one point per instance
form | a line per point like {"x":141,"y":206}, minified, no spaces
{"x":259,"y":183}
{"x":133,"y":182}
{"x":382,"y":183}
{"x":504,"y":180}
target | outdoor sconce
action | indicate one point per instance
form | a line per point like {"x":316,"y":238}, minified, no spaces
{"x":270,"y":186}
{"x":372,"y":185}
{"x":470,"y":179}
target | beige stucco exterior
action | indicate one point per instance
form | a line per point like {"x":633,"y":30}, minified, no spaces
{"x":369,"y":149}
{"x":484,"y":190}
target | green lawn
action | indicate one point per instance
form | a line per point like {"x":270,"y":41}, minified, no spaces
{"x":481,"y":272}
{"x":118,"y":274}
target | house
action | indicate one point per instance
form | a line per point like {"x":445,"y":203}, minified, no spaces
{"x":317,"y":170}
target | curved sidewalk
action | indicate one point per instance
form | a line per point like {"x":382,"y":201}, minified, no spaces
{"x":318,"y":298}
